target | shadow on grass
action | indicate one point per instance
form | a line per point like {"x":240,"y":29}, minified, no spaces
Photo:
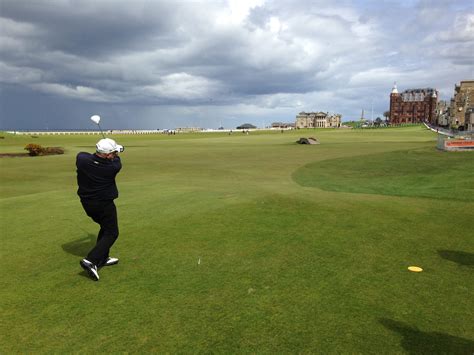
{"x":460,"y":257}
{"x":80,"y":247}
{"x":416,"y":341}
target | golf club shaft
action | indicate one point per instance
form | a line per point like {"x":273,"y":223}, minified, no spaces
{"x":103,"y":135}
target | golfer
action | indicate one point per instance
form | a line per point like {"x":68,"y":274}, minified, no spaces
{"x":97,"y":190}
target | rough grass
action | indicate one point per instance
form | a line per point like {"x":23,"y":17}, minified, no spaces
{"x":292,"y":259}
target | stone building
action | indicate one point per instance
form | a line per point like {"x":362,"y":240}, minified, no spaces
{"x":413,"y":105}
{"x":469,"y":119}
{"x":317,"y":120}
{"x":442,"y":113}
{"x":463,"y":100}
{"x":283,"y":125}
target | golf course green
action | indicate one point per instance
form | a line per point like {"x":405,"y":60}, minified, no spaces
{"x":244,"y":244}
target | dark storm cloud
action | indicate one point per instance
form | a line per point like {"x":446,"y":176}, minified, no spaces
{"x":101,"y":28}
{"x":197,"y":59}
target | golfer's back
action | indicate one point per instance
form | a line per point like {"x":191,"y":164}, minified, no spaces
{"x":96,"y":176}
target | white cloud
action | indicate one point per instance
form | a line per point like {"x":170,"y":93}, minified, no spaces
{"x":462,"y":30}
{"x":77,"y":92}
{"x":182,"y":86}
{"x":239,"y":9}
{"x":378,"y":76}
{"x":275,"y":25}
{"x":19,"y":75}
{"x":12,"y":28}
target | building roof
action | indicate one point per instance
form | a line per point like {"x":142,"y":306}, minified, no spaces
{"x":312,"y":113}
{"x":425,"y":91}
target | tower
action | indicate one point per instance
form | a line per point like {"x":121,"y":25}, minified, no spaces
{"x":394,"y":103}
{"x":432,"y":108}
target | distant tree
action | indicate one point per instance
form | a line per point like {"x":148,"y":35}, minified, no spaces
{"x":386,"y":114}
{"x":378,"y":121}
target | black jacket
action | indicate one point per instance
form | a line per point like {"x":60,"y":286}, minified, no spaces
{"x":96,"y":177}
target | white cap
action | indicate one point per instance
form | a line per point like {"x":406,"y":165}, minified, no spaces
{"x":107,"y":146}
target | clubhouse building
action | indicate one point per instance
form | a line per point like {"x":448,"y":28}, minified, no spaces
{"x":317,"y":120}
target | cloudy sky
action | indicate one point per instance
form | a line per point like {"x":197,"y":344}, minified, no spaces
{"x":165,"y":64}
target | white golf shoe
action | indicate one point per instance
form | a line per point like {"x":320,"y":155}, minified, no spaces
{"x":111,"y":261}
{"x":90,"y":268}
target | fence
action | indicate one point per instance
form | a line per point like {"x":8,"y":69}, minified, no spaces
{"x":42,"y":133}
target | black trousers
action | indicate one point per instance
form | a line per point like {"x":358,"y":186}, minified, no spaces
{"x":105,"y":214}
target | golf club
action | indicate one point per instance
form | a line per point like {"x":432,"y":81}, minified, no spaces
{"x":96,"y":120}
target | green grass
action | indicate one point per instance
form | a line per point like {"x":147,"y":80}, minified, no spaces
{"x":417,"y":173}
{"x":303,"y":249}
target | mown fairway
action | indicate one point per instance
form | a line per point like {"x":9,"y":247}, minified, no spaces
{"x":302,"y":249}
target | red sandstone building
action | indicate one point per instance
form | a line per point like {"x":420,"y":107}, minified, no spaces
{"x":413,"y":105}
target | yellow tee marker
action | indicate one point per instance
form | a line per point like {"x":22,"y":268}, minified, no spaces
{"x":415,"y":268}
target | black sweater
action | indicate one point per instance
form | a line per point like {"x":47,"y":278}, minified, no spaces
{"x":96,"y":177}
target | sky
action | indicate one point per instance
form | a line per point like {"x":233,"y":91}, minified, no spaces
{"x":150,"y":64}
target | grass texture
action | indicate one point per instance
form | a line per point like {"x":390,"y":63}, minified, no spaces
{"x":244,"y":244}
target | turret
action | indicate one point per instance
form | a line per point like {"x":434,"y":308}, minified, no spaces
{"x":394,"y":97}
{"x":394,"y":89}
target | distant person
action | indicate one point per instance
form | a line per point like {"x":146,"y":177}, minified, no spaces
{"x":97,"y":190}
